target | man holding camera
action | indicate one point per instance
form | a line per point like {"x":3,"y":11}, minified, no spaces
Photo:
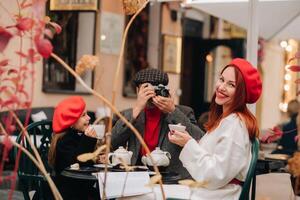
{"x":151,"y":114}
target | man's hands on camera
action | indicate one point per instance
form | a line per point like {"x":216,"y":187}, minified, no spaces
{"x":145,"y":93}
{"x":165,"y":104}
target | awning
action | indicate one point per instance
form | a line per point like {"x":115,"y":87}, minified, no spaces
{"x":276,"y":18}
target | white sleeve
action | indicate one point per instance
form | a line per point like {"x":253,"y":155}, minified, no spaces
{"x":219,"y":168}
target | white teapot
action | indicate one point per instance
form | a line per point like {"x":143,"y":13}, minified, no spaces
{"x":120,"y":153}
{"x":160,"y":158}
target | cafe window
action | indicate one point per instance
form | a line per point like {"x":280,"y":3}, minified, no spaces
{"x":136,"y":51}
{"x":76,"y":39}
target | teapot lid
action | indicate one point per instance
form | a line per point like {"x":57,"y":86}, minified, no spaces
{"x":157,"y":151}
{"x":121,"y":149}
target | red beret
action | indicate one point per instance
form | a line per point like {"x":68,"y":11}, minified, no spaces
{"x":67,"y":112}
{"x":251,"y":77}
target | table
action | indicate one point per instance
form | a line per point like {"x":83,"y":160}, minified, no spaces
{"x":172,"y":190}
{"x":268,"y":165}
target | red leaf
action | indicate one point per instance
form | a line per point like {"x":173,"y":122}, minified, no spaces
{"x":12,"y":71}
{"x":32,"y":56}
{"x":24,"y":68}
{"x":48,"y":33}
{"x":24,"y":24}
{"x":2,"y":88}
{"x":5,"y":36}
{"x":15,"y":80}
{"x":3,"y":62}
{"x":21,"y":54}
{"x":6,"y":142}
{"x":9,"y":102}
{"x":56,"y":26}
{"x":44,"y":47}
{"x":294,"y":68}
{"x":26,"y":104}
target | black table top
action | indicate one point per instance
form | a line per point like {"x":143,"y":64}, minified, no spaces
{"x":89,"y":173}
{"x":78,"y":175}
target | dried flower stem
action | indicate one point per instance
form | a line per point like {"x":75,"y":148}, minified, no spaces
{"x":40,"y":165}
{"x":114,"y":109}
{"x":114,"y":92}
{"x":116,"y":80}
{"x":124,"y":185}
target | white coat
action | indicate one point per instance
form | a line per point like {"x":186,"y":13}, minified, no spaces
{"x":219,"y":157}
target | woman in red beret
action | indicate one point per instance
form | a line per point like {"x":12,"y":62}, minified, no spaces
{"x":222,"y":156}
{"x":72,"y":137}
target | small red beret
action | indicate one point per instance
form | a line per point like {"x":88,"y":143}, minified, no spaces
{"x":251,"y":77}
{"x":67,"y":112}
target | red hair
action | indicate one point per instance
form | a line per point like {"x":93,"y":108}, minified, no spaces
{"x":237,"y":106}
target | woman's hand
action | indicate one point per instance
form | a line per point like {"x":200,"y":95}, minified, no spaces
{"x":179,"y":138}
{"x":90,"y":132}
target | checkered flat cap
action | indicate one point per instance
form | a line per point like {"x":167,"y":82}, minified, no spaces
{"x":150,"y":75}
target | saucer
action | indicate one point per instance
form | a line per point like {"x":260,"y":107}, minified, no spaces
{"x":102,"y":166}
{"x":83,"y":169}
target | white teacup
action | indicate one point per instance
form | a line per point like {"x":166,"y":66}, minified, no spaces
{"x":99,"y":129}
{"x":177,"y":127}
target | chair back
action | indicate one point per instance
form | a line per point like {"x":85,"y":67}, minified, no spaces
{"x":251,"y":176}
{"x":30,"y":178}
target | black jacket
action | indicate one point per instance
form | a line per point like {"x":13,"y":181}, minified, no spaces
{"x":68,"y":148}
{"x":287,"y":141}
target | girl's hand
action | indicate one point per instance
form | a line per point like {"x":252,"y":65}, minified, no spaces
{"x":179,"y":138}
{"x":90,"y":132}
{"x":102,"y":159}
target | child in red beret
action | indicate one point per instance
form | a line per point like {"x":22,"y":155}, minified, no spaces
{"x":222,"y":156}
{"x":72,"y":137}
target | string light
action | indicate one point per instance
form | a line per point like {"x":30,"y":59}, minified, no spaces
{"x":103,"y":37}
{"x":287,"y":77}
{"x":283,"y":106}
{"x":283,"y":44}
{"x":289,"y":48}
{"x":209,"y":58}
{"x":286,"y":87}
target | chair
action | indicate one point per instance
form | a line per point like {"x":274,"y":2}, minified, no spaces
{"x":29,"y":175}
{"x":251,"y":176}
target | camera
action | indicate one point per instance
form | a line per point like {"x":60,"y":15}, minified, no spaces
{"x":161,"y":90}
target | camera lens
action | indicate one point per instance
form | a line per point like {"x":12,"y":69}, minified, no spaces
{"x":165,"y":93}
{"x":161,"y":90}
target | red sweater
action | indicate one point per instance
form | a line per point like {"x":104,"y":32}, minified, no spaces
{"x":152,"y":128}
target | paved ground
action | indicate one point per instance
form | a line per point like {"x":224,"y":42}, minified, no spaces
{"x":17,"y":195}
{"x":5,"y":189}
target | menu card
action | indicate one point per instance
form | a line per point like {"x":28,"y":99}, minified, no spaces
{"x":135,"y":184}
